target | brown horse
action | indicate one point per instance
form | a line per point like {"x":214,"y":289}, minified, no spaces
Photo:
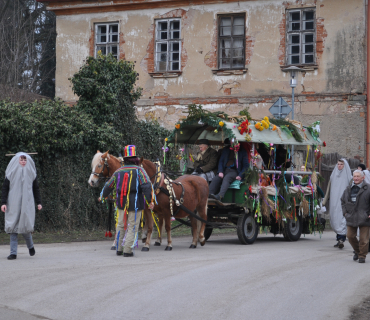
{"x":103,"y":166}
{"x":194,"y":198}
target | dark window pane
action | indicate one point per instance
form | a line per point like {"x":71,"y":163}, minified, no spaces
{"x":238,"y":63}
{"x":175,"y":25}
{"x":163,"y":35}
{"x":103,"y":50}
{"x":175,"y":66}
{"x":238,"y":53}
{"x":102,"y":29}
{"x":163,"y":57}
{"x":114,"y":49}
{"x":295,"y":38}
{"x":294,"y":59}
{"x":308,"y":48}
{"x":225,"y":63}
{"x":175,"y":56}
{"x":294,"y":16}
{"x":162,"y":26}
{"x":308,"y":38}
{"x":175,"y":46}
{"x":225,"y":53}
{"x":309,"y":15}
{"x":294,"y":49}
{"x":113,"y":28}
{"x":296,"y":26}
{"x":114,"y":38}
{"x":308,"y":25}
{"x":163,"y":47}
{"x":308,"y":58}
{"x":103,"y":38}
{"x":175,"y":35}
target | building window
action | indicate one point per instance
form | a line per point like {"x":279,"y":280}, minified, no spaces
{"x":107,"y":39}
{"x":301,"y":36}
{"x":168,"y":45}
{"x":231,"y":41}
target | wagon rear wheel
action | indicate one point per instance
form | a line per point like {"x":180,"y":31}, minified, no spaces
{"x":293,"y":229}
{"x":247,"y":229}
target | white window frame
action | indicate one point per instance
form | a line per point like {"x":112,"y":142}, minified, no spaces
{"x":109,"y":43}
{"x":290,"y":33}
{"x":168,"y":42}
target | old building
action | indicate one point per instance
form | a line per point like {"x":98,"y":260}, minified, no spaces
{"x":229,"y":55}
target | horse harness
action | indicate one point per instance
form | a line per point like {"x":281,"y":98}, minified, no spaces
{"x":101,"y":174}
{"x":162,"y":178}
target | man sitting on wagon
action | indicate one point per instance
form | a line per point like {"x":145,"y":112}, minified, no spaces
{"x":205,"y":165}
{"x":230,"y":169}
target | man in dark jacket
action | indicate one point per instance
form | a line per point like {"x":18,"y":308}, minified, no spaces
{"x":206,"y":163}
{"x":356,"y":209}
{"x":133,"y":188}
{"x":229,"y":170}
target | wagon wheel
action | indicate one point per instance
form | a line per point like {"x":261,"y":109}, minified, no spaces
{"x":293,"y":229}
{"x":247,"y":229}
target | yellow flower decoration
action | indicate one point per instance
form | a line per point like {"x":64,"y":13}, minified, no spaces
{"x":177,"y":126}
{"x":274,"y":128}
{"x":215,"y":131}
{"x":265,"y":124}
{"x":166,"y":139}
{"x":257,"y":125}
{"x":221,"y":124}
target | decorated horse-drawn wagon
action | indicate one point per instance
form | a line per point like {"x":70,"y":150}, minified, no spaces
{"x":269,"y":198}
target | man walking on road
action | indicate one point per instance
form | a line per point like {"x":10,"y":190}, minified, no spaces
{"x":340,"y":178}
{"x":356,"y":209}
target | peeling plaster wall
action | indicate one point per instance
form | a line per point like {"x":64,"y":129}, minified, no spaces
{"x":322,"y":94}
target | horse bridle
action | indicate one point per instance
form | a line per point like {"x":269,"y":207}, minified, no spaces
{"x":101,"y":175}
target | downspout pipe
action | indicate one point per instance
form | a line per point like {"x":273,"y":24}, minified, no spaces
{"x":368,"y":87}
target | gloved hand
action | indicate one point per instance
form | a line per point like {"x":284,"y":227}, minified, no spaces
{"x":199,"y":170}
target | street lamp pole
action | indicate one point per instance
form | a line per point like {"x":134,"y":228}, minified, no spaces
{"x":293,"y":83}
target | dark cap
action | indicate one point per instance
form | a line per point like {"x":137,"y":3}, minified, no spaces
{"x":227,"y":141}
{"x":203,"y":141}
{"x":362,"y":166}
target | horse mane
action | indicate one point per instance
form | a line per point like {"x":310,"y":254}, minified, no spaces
{"x":97,"y":159}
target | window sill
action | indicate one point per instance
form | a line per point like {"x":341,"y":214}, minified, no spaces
{"x":310,"y":67}
{"x":232,"y":72}
{"x":174,"y":74}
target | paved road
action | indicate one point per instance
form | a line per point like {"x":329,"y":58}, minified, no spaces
{"x":271,"y":279}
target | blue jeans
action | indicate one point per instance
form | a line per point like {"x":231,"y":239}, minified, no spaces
{"x":341,"y":237}
{"x":14,"y":242}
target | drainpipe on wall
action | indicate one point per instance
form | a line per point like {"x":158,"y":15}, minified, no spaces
{"x":368,"y":88}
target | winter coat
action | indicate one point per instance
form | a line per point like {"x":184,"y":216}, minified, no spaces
{"x":6,"y":187}
{"x":208,"y":162}
{"x":243,"y":163}
{"x":131,"y":184}
{"x":357,"y":214}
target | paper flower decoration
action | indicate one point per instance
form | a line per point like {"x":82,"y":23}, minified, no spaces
{"x":178,"y":125}
{"x":221,"y":124}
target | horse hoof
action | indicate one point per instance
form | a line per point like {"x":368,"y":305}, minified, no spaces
{"x":157,"y":244}
{"x":192,"y":246}
{"x":113,"y":247}
{"x":144,"y":249}
{"x":168,"y":248}
{"x":143,"y":240}
{"x":203,"y":243}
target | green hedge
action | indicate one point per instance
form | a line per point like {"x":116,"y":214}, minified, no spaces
{"x":66,"y":140}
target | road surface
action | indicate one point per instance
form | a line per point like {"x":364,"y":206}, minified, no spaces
{"x":271,"y":279}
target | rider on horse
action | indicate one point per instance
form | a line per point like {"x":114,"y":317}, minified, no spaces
{"x":132,"y":185}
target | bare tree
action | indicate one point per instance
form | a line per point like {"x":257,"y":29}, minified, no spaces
{"x":27,"y":49}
